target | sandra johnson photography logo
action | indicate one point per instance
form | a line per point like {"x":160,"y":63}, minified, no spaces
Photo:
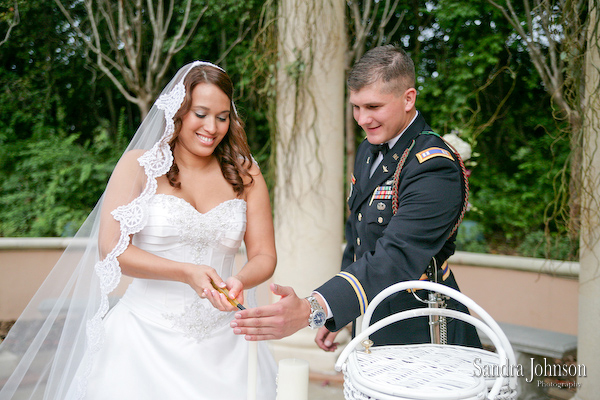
{"x":535,"y":370}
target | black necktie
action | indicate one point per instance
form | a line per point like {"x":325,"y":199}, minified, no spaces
{"x":377,"y":148}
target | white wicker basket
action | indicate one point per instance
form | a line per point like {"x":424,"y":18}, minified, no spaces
{"x":427,"y":371}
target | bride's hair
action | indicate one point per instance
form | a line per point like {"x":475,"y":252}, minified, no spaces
{"x":233,"y":153}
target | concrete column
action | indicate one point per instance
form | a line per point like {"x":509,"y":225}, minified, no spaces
{"x":588,"y":347}
{"x":309,"y":198}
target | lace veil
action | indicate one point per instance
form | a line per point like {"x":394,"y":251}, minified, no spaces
{"x":47,"y":353}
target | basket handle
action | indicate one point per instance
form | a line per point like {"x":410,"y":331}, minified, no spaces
{"x":443,"y":289}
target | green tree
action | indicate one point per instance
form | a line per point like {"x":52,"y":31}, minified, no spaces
{"x":64,"y":123}
{"x":475,"y":78}
{"x":11,"y":18}
{"x":478,"y":80}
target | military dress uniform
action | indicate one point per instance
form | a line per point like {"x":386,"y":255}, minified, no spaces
{"x":385,"y":247}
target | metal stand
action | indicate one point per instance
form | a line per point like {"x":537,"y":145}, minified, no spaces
{"x":438,"y":325}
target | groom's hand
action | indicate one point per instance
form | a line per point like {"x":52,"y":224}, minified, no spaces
{"x":274,"y":321}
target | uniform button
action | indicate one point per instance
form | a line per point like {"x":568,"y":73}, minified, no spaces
{"x":359,"y":217}
{"x":380,"y":220}
{"x":358,"y":241}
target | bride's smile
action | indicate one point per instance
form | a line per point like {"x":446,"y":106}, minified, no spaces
{"x":206,"y":140}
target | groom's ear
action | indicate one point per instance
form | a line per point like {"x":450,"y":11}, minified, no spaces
{"x":410,"y":97}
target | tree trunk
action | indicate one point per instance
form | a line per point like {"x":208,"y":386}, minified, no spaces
{"x":309,"y":194}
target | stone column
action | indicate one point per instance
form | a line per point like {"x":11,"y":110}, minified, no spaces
{"x":588,"y":346}
{"x":309,"y":198}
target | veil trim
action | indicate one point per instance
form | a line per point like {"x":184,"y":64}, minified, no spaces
{"x":52,"y":346}
{"x":132,"y":218}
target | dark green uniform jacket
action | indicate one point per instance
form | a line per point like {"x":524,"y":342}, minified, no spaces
{"x":384,"y":248}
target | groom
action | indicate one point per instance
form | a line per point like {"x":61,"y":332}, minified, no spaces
{"x":407,"y":197}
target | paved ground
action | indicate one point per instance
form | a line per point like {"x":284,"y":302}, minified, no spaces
{"x":319,"y":392}
{"x":325,"y":387}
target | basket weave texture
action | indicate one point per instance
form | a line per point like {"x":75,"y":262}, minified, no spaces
{"x":420,"y":371}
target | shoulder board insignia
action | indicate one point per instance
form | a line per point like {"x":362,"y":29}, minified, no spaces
{"x":433,"y":152}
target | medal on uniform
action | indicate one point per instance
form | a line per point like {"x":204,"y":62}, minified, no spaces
{"x":381,"y":193}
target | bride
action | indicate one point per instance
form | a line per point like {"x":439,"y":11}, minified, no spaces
{"x":178,"y":205}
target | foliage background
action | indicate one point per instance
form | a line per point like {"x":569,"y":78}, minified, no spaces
{"x":63,"y":125}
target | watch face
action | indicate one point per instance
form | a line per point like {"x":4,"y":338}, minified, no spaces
{"x":319,"y":318}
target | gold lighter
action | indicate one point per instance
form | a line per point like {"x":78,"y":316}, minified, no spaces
{"x":233,"y":302}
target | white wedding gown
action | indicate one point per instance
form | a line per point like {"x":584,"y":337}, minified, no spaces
{"x":162,"y":341}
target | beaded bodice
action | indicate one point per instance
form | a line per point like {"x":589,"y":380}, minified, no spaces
{"x":177,"y":231}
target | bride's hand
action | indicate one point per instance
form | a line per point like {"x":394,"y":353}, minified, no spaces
{"x":236,"y":289}
{"x":201,"y":278}
{"x":232,"y":288}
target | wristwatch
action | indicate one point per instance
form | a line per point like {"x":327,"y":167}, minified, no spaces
{"x":317,"y":315}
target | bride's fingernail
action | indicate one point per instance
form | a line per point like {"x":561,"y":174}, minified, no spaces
{"x":237,"y":331}
{"x":233,"y":324}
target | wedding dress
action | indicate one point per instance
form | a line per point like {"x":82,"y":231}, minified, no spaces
{"x":162,"y":341}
